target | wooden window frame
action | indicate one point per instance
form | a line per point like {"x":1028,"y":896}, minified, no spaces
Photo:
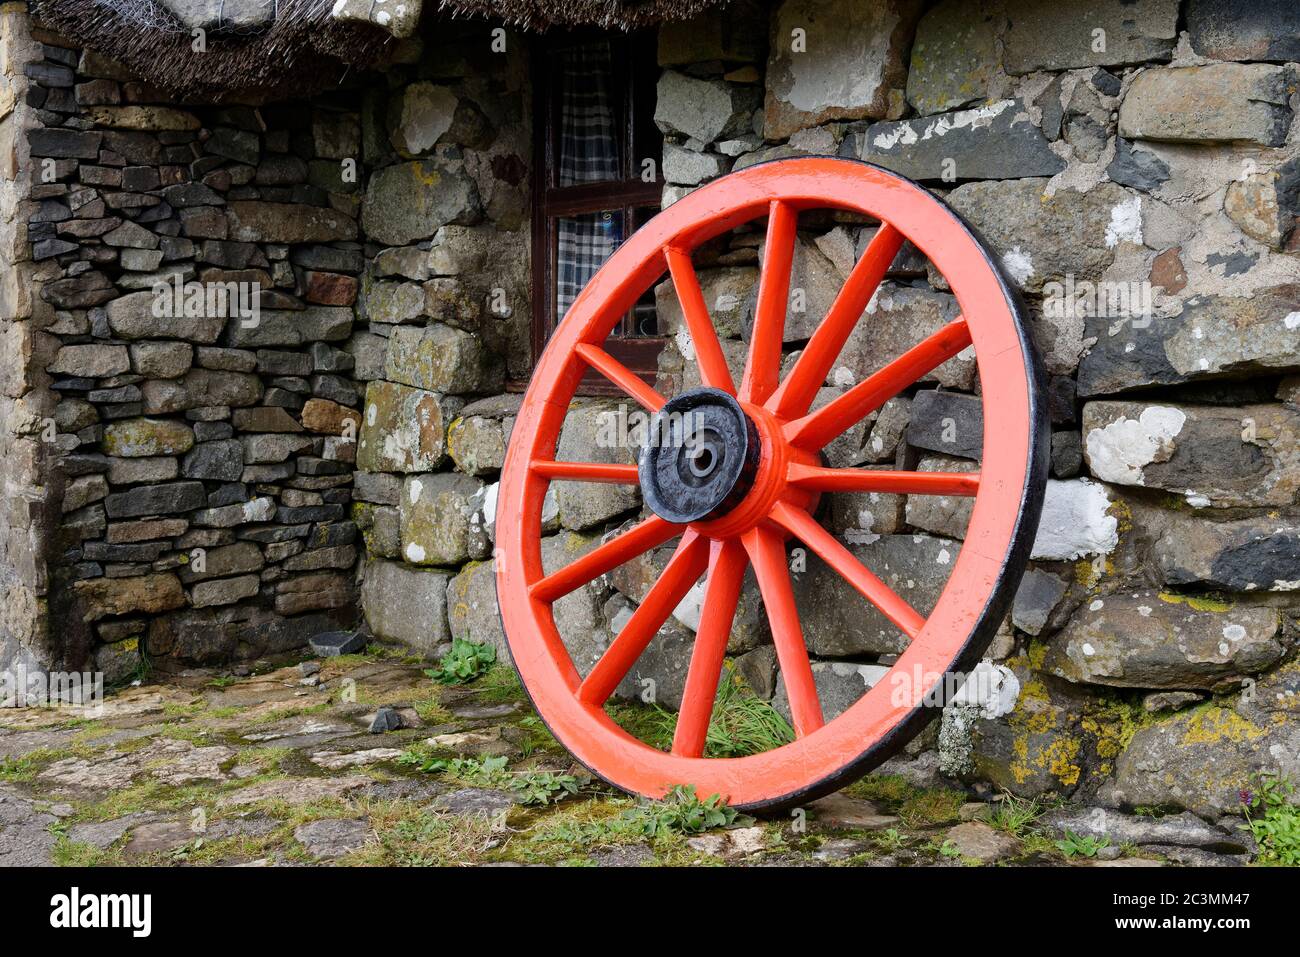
{"x":636,"y":72}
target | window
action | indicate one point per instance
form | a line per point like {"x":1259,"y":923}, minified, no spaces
{"x":594,"y":130}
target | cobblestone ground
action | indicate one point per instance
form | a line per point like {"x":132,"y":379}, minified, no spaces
{"x":282,"y":767}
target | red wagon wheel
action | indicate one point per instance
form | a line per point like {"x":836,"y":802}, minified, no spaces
{"x":735,"y":497}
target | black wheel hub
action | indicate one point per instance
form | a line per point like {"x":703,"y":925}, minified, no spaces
{"x":700,"y":457}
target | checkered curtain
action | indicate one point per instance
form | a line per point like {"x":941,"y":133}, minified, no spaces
{"x":588,"y":154}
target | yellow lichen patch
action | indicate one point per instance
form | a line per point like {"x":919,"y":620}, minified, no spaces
{"x":1212,"y":724}
{"x":1112,"y":726}
{"x":1060,"y":760}
{"x":1122,"y":514}
{"x":1195,"y":602}
{"x":1086,"y":574}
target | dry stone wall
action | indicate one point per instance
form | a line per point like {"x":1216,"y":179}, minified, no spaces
{"x":1136,"y":169}
{"x":193,"y":273}
{"x":445,"y":322}
{"x":1133,"y":165}
{"x":27,"y":507}
{"x":250,"y":332}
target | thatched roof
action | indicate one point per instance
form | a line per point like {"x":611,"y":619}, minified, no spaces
{"x":299,"y":49}
{"x":607,"y":14}
{"x":277,"y":48}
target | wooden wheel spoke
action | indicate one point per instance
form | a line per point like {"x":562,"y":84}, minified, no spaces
{"x":800,"y":386}
{"x":611,"y":472}
{"x":625,"y":546}
{"x":767,"y":553}
{"x":763,"y":369}
{"x":681,"y":572}
{"x":828,"y":548}
{"x":721,"y":594}
{"x":818,"y":479}
{"x":620,"y":375}
{"x":708,"y":350}
{"x":815,"y":429}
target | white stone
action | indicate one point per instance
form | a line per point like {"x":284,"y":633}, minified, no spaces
{"x":1075,"y":522}
{"x":994,"y":689}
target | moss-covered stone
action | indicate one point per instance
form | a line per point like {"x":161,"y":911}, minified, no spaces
{"x":138,"y":438}
{"x":1202,"y":759}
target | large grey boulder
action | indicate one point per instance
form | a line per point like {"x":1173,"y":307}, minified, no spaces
{"x":436,"y":516}
{"x":1244,"y":29}
{"x":954,"y":56}
{"x":440,"y":358}
{"x":1219,"y":456}
{"x":947,"y":422}
{"x":145,"y":438}
{"x":997,"y":140}
{"x":1042,"y":238}
{"x":1077,"y":520}
{"x":1205,"y":758}
{"x":292,"y":327}
{"x":838,"y":622}
{"x":406,"y":605}
{"x":1165,"y":641}
{"x":473,"y":613}
{"x":201,"y":388}
{"x":850,"y":67}
{"x":943,"y":515}
{"x":1042,"y":35}
{"x":729,"y":292}
{"x":253,"y":221}
{"x":402,"y":429}
{"x":703,"y":109}
{"x":1219,"y":103}
{"x":133,"y":317}
{"x":411,"y":201}
{"x":897,"y":318}
{"x":578,"y":616}
{"x":1211,"y":336}
{"x":1038,"y":596}
{"x":1254,"y":554}
{"x":419,"y":116}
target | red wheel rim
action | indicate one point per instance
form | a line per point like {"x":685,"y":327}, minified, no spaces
{"x":1007,"y":489}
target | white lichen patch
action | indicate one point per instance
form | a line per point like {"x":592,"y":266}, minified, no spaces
{"x":1120,"y":451}
{"x":918,"y":131}
{"x":1075,"y":522}
{"x":689,"y":609}
{"x":1125,"y":223}
{"x":1234,"y":632}
{"x":1019,"y":265}
{"x":684,"y":343}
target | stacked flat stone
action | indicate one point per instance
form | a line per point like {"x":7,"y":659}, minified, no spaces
{"x":206,"y":460}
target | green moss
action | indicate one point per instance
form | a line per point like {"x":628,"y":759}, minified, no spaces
{"x":915,"y":806}
{"x":1112,"y":722}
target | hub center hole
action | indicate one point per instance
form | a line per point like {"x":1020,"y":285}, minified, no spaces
{"x":701,"y":461}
